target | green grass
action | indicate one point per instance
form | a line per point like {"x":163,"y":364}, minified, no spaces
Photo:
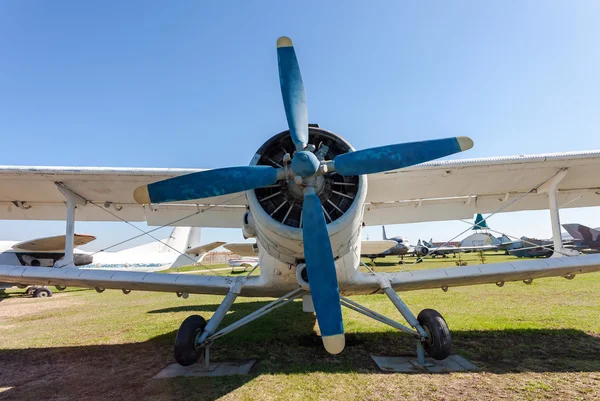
{"x":538,"y":341}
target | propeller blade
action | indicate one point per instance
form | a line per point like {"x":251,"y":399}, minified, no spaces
{"x":321,"y":273}
{"x":292,"y":91}
{"x":391,"y":157}
{"x":205,"y":184}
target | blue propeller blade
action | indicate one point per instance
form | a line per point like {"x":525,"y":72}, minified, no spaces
{"x":391,"y":157}
{"x":321,"y":273}
{"x":205,"y":184}
{"x":292,"y":91}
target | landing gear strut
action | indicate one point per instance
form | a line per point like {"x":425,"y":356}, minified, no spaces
{"x":196,"y":335}
{"x":429,"y":329}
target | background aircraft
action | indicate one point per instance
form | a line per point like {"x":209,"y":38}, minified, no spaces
{"x":181,"y":248}
{"x":400,"y":247}
{"x":47,"y":251}
{"x":584,"y":237}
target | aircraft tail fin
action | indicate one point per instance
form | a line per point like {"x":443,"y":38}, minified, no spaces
{"x":581,"y":232}
{"x":480,"y":223}
{"x":182,"y":239}
{"x":384,"y":234}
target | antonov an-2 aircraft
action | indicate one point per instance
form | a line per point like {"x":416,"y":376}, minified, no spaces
{"x":305,"y":197}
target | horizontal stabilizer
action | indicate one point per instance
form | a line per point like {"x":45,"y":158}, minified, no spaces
{"x":242,"y":248}
{"x":51,"y":244}
{"x":581,"y":232}
{"x":376,"y":247}
{"x":204,"y":248}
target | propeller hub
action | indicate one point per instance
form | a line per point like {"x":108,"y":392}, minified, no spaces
{"x":305,"y":164}
{"x":297,"y":191}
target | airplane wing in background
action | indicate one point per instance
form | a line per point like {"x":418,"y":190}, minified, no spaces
{"x":204,"y":248}
{"x":243,"y":248}
{"x":51,"y":244}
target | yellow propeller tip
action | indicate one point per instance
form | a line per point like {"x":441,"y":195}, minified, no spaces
{"x":465,"y":142}
{"x":334,"y":344}
{"x":141,"y":195}
{"x":284,"y":41}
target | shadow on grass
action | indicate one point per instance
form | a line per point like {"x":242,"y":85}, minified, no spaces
{"x":283,"y":342}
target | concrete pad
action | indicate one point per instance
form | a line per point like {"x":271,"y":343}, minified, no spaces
{"x":226,"y":368}
{"x":404,"y":364}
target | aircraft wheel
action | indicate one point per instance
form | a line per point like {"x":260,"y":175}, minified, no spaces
{"x":30,"y":290}
{"x":439,"y":342}
{"x":60,"y":287}
{"x":185,"y":350}
{"x":42,"y":293}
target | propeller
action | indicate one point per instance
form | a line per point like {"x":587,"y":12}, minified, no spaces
{"x":304,"y":169}
{"x":320,"y":267}
{"x":292,"y":91}
{"x":204,"y":184}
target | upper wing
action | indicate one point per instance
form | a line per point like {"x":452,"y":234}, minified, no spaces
{"x":375,"y":247}
{"x":458,"y":189}
{"x":30,"y":193}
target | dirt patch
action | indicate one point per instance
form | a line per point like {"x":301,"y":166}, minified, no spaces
{"x":17,"y":307}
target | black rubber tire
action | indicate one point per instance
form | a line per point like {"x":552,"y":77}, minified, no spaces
{"x":42,"y":293}
{"x":184,"y":350}
{"x":439,"y":344}
{"x":30,"y":290}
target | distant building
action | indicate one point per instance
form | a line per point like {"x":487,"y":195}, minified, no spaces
{"x":218,"y":258}
{"x":479,"y":239}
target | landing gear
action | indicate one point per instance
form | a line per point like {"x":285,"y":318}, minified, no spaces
{"x":185,"y":350}
{"x":429,"y":329}
{"x":438,"y":343}
{"x":38,"y":292}
{"x":42,"y":292}
{"x":196,"y":335}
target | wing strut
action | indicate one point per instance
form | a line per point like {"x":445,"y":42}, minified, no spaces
{"x":72,"y":201}
{"x":551,"y":188}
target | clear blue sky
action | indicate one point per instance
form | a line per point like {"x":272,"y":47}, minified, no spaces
{"x":194,"y":84}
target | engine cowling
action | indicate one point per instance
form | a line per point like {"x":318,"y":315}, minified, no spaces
{"x":421,"y":250}
{"x":276,"y":211}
